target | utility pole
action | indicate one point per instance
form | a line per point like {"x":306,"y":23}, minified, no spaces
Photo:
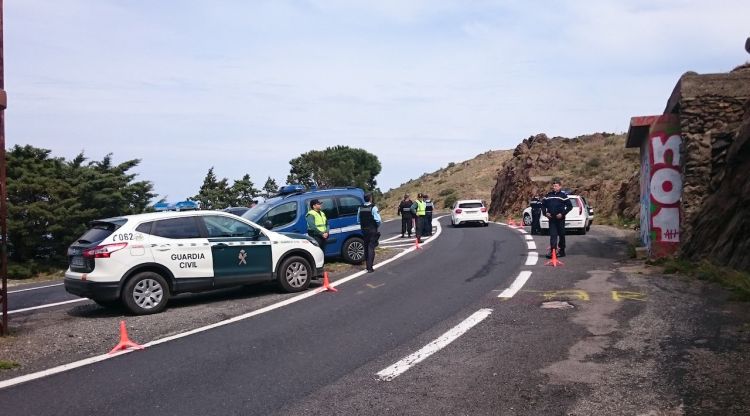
{"x":3,"y":190}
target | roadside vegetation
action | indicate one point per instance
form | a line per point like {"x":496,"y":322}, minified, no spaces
{"x":738,"y":282}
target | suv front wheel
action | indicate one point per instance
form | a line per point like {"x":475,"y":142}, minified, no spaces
{"x":145,"y":293}
{"x":294,"y":274}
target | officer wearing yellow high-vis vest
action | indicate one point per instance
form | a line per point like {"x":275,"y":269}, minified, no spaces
{"x":419,"y":209}
{"x":317,"y":224}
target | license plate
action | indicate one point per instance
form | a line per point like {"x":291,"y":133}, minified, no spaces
{"x":472,"y":212}
{"x":77,"y":261}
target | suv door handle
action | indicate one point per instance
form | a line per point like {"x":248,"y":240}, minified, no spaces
{"x":164,"y":247}
{"x":221,"y":246}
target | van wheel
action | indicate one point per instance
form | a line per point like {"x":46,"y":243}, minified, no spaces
{"x":353,"y":250}
{"x":294,"y":274}
{"x":145,"y":293}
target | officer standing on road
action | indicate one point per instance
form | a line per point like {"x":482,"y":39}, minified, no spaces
{"x":404,"y":210}
{"x":555,"y":206}
{"x":536,"y":213}
{"x":419,"y":209}
{"x":368,"y":218}
{"x":317,"y":224}
{"x":427,"y":227}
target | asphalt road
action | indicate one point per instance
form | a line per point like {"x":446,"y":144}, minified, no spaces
{"x":598,"y":335}
{"x":273,"y":360}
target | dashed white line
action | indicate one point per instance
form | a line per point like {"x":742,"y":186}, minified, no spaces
{"x":531,"y":245}
{"x":409,"y":361}
{"x":532,"y":258}
{"x":516,"y":285}
{"x":528,"y":237}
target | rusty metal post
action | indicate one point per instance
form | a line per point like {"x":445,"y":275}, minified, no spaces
{"x":3,"y":191}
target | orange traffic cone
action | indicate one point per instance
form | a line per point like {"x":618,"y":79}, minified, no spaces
{"x":326,"y":285}
{"x":125,"y":342}
{"x":554,"y":261}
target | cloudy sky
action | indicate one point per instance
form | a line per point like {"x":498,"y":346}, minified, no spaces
{"x":247,"y":85}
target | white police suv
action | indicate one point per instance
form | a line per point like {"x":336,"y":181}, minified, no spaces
{"x":141,"y":260}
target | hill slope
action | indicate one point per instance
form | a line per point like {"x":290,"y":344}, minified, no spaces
{"x":473,"y":178}
{"x":597,"y":166}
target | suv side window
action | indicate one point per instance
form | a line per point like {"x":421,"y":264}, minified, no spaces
{"x":281,"y":215}
{"x":328,"y":206}
{"x":183,"y":227}
{"x":348,"y":206}
{"x":145,"y":228}
{"x":220,"y":226}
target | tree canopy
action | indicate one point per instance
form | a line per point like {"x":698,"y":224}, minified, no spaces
{"x":51,"y":201}
{"x":336,"y":166}
{"x":217,"y":194}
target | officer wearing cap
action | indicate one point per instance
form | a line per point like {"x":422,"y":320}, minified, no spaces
{"x":419,"y":209}
{"x":317,"y":224}
{"x":369,"y":219}
{"x":404,"y":210}
{"x":555,"y":206}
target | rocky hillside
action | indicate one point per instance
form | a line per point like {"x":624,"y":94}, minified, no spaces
{"x":470,"y":179}
{"x":597,"y":166}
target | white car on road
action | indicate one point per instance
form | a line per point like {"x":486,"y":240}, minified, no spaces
{"x":469,"y":210}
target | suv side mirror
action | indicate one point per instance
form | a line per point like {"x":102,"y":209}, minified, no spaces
{"x":267,"y":224}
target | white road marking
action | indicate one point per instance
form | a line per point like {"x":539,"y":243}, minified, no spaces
{"x":528,"y":237}
{"x":409,"y":361}
{"x":49,"y":305}
{"x":33,"y":288}
{"x":305,"y":295}
{"x":532,"y":258}
{"x":392,"y":238}
{"x":516,"y":286}
{"x":521,"y":230}
{"x":531,"y":244}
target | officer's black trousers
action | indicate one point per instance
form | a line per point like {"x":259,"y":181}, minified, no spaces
{"x":536,"y":227}
{"x":321,"y":242}
{"x":371,"y":237}
{"x":427,"y":225}
{"x":557,"y":230}
{"x":406,"y":222}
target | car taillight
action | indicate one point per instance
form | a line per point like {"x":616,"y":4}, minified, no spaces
{"x":104,"y":251}
{"x":484,"y":209}
{"x":458,"y":210}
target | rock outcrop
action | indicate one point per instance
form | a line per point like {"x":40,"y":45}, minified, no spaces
{"x":596,"y":166}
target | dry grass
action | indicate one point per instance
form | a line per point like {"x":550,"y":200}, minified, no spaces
{"x":470,"y":179}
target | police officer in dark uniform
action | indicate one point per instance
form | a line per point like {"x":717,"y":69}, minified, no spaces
{"x":555,"y":206}
{"x":536,"y":213}
{"x":369,"y":219}
{"x":404,"y":210}
{"x":427,"y":225}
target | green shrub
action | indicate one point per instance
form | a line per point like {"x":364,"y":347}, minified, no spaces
{"x":450,"y":200}
{"x":446,"y":192}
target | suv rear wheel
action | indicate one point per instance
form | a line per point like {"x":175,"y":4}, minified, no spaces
{"x":353,"y":250}
{"x":145,"y":293}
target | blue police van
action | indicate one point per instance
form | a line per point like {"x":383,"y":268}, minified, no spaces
{"x":286,"y":213}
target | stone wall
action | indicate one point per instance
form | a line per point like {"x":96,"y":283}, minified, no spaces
{"x":721,"y":225}
{"x":710,"y":108}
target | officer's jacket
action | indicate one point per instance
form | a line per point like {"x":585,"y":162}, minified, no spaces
{"x":404,"y":208}
{"x":556,"y":203}
{"x":536,"y":207}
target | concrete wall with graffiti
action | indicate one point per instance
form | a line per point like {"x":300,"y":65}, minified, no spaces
{"x":661,"y":183}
